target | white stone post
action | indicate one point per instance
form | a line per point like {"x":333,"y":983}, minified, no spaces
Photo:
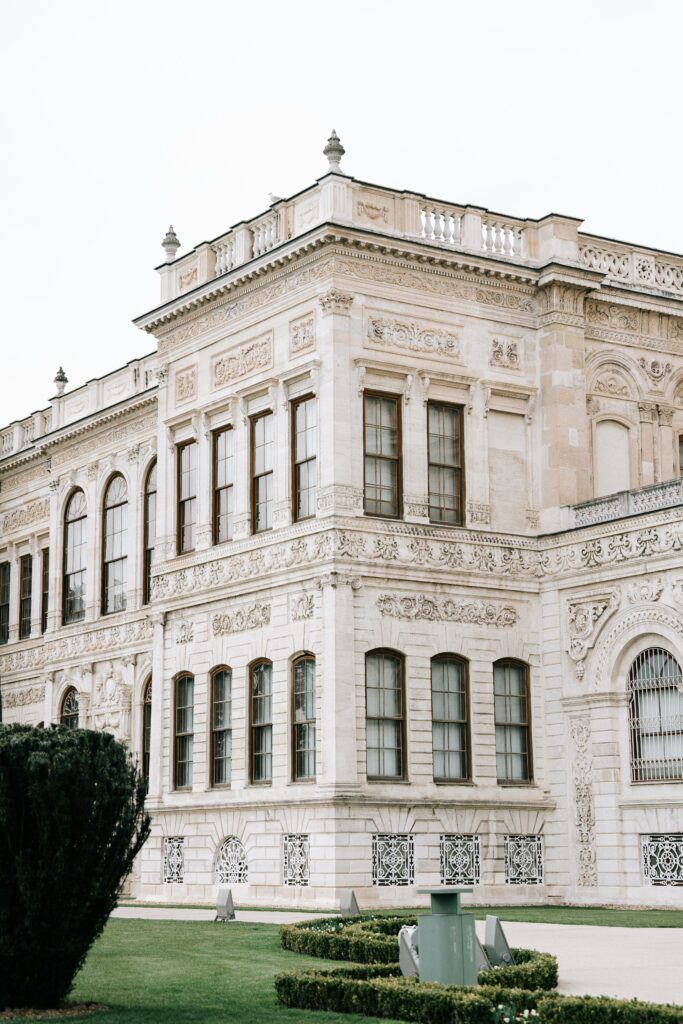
{"x":156,"y":785}
{"x":338,"y":712}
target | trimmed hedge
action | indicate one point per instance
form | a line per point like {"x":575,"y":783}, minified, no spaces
{"x":373,"y":940}
{"x":378,"y":991}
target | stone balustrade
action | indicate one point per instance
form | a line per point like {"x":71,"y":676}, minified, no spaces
{"x":501,"y":236}
{"x":440,"y":224}
{"x":626,"y":503}
{"x":625,"y":264}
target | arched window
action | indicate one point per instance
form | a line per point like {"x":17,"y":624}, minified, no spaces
{"x":512,"y":707}
{"x":655,"y":685}
{"x":261,"y":704}
{"x":73,"y":607}
{"x":183,"y":731}
{"x":150,"y":530}
{"x":231,"y":864}
{"x":303,"y":717}
{"x":69,"y":714}
{"x":115,"y":546}
{"x":221,"y":727}
{"x":450,"y":720}
{"x":385,"y":720}
{"x":146,"y":729}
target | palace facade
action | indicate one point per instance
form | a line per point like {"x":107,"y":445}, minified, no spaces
{"x":375,"y":561}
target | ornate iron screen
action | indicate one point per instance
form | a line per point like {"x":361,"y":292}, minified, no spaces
{"x":393,"y":859}
{"x":655,"y":685}
{"x":523,"y":860}
{"x":174,"y":859}
{"x":663,"y":859}
{"x":296,"y":859}
{"x":460,"y":859}
{"x":231,"y":865}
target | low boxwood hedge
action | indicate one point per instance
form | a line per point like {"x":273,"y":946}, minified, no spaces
{"x":369,"y":940}
{"x":377,"y":990}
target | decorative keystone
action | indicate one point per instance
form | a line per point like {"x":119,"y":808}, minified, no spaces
{"x":334,"y":151}
{"x":170,"y":244}
{"x":61,"y":380}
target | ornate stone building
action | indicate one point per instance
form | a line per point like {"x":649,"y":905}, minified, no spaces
{"x":375,"y":560}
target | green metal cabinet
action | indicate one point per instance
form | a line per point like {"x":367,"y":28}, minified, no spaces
{"x":447,"y":940}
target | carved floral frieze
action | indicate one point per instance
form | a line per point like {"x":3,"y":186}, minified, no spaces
{"x":27,"y":515}
{"x":645,"y":591}
{"x":186,"y":384}
{"x":250,"y":617}
{"x":505,"y":353}
{"x":184,"y":633}
{"x":253,"y":355}
{"x":302,"y":334}
{"x":86,"y":642}
{"x":23,"y":697}
{"x":303,"y":607}
{"x":475,"y":613}
{"x":411,"y":336}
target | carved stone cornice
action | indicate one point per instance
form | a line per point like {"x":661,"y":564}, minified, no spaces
{"x":475,"y":612}
{"x":75,"y":645}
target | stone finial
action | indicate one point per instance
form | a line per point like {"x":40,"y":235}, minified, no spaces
{"x":61,"y":380}
{"x":334,"y":151}
{"x":170,"y":244}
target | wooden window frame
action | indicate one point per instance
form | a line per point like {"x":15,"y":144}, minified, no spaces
{"x":304,"y":656}
{"x":215,"y":490}
{"x":526,"y":671}
{"x":457,"y":659}
{"x":103,"y":554}
{"x":253,"y":420}
{"x":459,"y":409}
{"x":44,"y":588}
{"x":212,"y":729}
{"x":5,"y":600}
{"x":180,"y":502}
{"x":25,"y":600}
{"x":294,"y":405}
{"x":250,"y":722}
{"x":67,"y":693}
{"x":65,"y":542}
{"x":147,"y":551}
{"x":187,"y":788}
{"x":397,"y":399}
{"x":391,"y":653}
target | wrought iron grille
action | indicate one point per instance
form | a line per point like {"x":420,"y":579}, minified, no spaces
{"x":460,"y":859}
{"x":393,"y":859}
{"x":663,"y":859}
{"x":655,"y":685}
{"x":231,"y":865}
{"x":296,"y":861}
{"x":174,"y":859}
{"x":523,"y":860}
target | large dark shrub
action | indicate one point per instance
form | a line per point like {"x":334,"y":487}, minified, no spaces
{"x":72,"y":821}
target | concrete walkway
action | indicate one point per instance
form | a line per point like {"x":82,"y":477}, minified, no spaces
{"x":630,"y":963}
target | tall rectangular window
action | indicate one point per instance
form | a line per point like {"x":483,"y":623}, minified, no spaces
{"x":149,"y":530}
{"x":25,"y":589}
{"x":445,"y":463}
{"x":304,"y":718}
{"x":450,"y":740}
{"x":304,"y":450}
{"x":384,"y":715}
{"x":513,"y":721}
{"x":262,"y":722}
{"x":221,"y":727}
{"x":4,"y":602}
{"x":680,"y":455}
{"x":187,"y":495}
{"x":184,"y":731}
{"x":262,"y":472}
{"x":44,"y":588}
{"x":223,"y":489}
{"x":382,"y":453}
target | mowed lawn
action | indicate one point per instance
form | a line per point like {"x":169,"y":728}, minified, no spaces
{"x":186,"y":972}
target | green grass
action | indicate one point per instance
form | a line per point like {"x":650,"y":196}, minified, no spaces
{"x":609,"y":917}
{"x":187,"y":972}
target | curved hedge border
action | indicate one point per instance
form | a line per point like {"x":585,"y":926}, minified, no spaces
{"x":372,"y":940}
{"x":377,"y":989}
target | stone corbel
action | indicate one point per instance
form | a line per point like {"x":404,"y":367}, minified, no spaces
{"x":487,"y":399}
{"x":361,"y":379}
{"x":646,"y":411}
{"x":665,"y":414}
{"x":470,"y":398}
{"x":408,"y":390}
{"x":339,"y":579}
{"x":424,"y":378}
{"x":586,"y":615}
{"x":530,"y":408}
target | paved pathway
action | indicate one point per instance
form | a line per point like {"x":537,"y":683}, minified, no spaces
{"x":642,"y":963}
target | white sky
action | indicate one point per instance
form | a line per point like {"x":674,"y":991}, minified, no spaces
{"x":118,"y":117}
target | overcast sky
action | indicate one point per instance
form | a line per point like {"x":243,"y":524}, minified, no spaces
{"x":118,"y":118}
